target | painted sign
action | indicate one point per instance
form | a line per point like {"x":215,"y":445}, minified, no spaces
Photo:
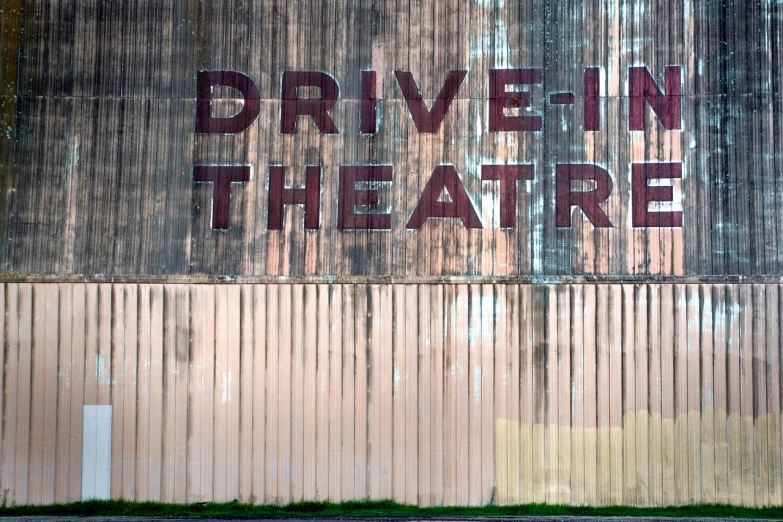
{"x":444,"y":195}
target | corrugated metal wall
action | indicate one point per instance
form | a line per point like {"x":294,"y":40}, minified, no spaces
{"x":645,"y":394}
{"x":636,"y":364}
{"x":104,"y":142}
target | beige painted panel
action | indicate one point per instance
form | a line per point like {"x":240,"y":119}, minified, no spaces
{"x":646,"y":394}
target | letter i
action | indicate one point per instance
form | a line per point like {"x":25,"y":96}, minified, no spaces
{"x":368,"y":123}
{"x":592,"y":115}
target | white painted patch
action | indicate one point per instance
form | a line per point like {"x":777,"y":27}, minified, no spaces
{"x":96,"y":452}
{"x":477,"y":383}
{"x":490,"y":3}
{"x":537,"y":217}
{"x":228,"y":379}
{"x":482,"y":46}
{"x":100,"y":371}
{"x":488,"y":302}
{"x":73,"y":156}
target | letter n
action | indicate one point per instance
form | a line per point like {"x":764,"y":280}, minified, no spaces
{"x":642,"y":88}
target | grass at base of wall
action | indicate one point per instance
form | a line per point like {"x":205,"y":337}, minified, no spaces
{"x":382,"y":508}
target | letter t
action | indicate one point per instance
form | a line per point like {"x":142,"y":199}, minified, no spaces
{"x":222,"y":176}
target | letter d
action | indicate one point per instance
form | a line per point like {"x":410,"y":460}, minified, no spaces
{"x":205,"y":122}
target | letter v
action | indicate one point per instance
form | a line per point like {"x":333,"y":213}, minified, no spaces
{"x":428,"y":121}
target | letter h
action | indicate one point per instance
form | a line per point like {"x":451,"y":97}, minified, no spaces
{"x":280,"y":195}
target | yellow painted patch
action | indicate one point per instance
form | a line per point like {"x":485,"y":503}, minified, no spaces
{"x":697,"y":457}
